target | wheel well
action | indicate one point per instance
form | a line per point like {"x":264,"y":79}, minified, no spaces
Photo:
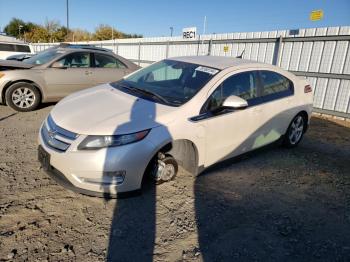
{"x":17,"y":81}
{"x":305,"y":115}
{"x":185,"y":153}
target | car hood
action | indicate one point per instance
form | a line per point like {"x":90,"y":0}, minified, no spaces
{"x":104,"y":110}
{"x":11,"y":64}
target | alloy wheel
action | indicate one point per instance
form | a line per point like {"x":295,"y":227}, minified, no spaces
{"x":23,"y":97}
{"x":296,"y":130}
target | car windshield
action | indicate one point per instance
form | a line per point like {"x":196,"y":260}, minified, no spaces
{"x":43,"y":57}
{"x":169,"y":82}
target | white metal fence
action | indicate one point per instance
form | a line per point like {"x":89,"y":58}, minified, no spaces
{"x":320,"y":54}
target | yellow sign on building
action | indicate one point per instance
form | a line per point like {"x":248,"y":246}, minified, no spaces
{"x":225,"y":48}
{"x":316,"y":15}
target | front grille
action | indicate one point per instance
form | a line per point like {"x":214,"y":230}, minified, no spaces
{"x":56,"y":137}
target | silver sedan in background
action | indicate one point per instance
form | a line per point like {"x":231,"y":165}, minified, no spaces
{"x":58,"y":72}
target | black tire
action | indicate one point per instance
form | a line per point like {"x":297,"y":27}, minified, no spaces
{"x":23,"y":97}
{"x":295,"y":131}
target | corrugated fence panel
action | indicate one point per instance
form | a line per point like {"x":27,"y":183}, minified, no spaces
{"x":339,"y":57}
{"x":320,"y":90}
{"x":262,"y":52}
{"x":234,"y":51}
{"x":247,"y":52}
{"x":269,"y":53}
{"x":343,"y":99}
{"x":305,"y":56}
{"x":331,"y":94}
{"x":346,"y":69}
{"x":327,"y":57}
{"x":285,"y":58}
{"x":316,"y":55}
{"x":295,"y":56}
{"x":130,"y":52}
{"x":254,"y":52}
{"x":153,"y":52}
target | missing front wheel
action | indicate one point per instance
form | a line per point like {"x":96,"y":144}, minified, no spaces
{"x":164,"y":168}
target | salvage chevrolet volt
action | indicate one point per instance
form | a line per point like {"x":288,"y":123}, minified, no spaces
{"x":187,"y":111}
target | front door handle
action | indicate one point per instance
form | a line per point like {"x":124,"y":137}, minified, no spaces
{"x":88,"y":72}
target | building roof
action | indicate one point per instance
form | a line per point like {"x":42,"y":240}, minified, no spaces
{"x":6,"y":38}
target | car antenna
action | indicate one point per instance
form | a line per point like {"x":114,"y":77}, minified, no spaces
{"x":241,"y":55}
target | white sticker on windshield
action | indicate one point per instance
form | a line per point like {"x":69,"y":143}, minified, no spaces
{"x":208,"y":70}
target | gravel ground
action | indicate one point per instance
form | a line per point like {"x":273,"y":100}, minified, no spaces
{"x":272,"y":205}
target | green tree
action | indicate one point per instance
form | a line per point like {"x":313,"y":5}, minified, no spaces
{"x":52,"y":31}
{"x":38,"y":34}
{"x":13,"y":26}
{"x":60,"y":35}
{"x":78,"y":35}
{"x":104,"y":32}
{"x":56,"y":32}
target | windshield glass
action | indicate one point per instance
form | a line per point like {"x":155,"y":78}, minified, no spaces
{"x":43,"y":57}
{"x":168,"y":81}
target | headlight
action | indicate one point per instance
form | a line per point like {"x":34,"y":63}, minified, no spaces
{"x":97,"y":142}
{"x":1,"y":74}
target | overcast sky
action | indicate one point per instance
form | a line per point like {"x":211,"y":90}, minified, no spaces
{"x":154,"y":18}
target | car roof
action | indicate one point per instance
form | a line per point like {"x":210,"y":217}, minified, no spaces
{"x":80,"y":47}
{"x":218,"y":62}
{"x":84,"y":49}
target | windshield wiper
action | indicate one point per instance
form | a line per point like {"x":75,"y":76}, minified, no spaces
{"x":145,"y":92}
{"x":149,"y":93}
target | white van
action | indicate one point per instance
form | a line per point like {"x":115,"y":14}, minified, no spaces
{"x":14,"y":48}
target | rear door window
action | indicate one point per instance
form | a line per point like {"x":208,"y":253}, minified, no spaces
{"x":275,"y":85}
{"x":7,"y":47}
{"x":22,"y":48}
{"x":107,"y":61}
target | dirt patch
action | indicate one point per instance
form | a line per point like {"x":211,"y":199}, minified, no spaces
{"x":273,"y":205}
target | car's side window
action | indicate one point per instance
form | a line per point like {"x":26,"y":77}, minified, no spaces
{"x":274,"y":83}
{"x":243,"y":85}
{"x":107,"y":61}
{"x":76,"y":60}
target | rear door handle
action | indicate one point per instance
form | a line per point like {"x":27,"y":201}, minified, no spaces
{"x":87,"y":72}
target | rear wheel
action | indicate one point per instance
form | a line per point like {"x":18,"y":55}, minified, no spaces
{"x":164,"y":168}
{"x":295,"y":131}
{"x":22,"y":97}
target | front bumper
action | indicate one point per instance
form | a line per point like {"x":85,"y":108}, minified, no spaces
{"x":92,"y":172}
{"x":63,"y":181}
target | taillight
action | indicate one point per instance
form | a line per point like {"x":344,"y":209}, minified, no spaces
{"x":307,"y":89}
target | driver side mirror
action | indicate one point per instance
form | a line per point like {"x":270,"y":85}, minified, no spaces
{"x":58,"y":65}
{"x":235,"y":102}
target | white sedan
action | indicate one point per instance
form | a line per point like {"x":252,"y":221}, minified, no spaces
{"x":188,"y":111}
